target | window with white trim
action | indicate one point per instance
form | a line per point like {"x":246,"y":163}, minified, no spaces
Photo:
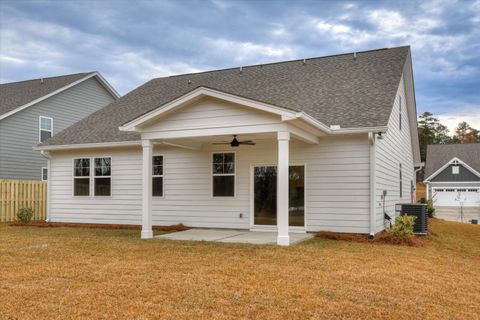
{"x":81,"y":177}
{"x":45,"y":127}
{"x":44,"y":173}
{"x":400,"y":113}
{"x":223,"y":171}
{"x":455,"y":169}
{"x":401,"y":182}
{"x":103,"y":176}
{"x":157,"y":176}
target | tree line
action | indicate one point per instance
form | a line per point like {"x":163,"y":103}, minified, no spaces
{"x":431,"y":131}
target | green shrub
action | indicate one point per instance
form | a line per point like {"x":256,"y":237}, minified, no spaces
{"x":25,"y":214}
{"x":423,"y":200}
{"x":403,"y":227}
{"x":430,"y":209}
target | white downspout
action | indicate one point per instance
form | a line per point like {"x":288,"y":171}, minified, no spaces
{"x":371,"y":139}
{"x":47,"y":155}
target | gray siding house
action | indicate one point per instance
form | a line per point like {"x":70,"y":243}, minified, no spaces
{"x":453,"y":180}
{"x":32,"y":111}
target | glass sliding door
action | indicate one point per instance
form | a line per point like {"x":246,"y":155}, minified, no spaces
{"x":265,"y":195}
{"x":296,"y":196}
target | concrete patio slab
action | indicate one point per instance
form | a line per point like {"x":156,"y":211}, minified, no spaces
{"x":232,"y":236}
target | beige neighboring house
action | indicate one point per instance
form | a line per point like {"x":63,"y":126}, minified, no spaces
{"x":296,"y":146}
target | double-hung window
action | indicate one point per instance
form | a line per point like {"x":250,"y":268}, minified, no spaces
{"x":81,"y":177}
{"x":44,"y":173}
{"x":45,"y":127}
{"x":103,"y":176}
{"x":157,"y":176}
{"x":401,"y":182}
{"x":223,"y":171}
{"x":400,"y":113}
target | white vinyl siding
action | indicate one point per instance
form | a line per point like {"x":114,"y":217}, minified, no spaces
{"x":337,"y":184}
{"x":394,"y":154}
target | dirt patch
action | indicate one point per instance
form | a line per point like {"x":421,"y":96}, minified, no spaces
{"x":43,"y":224}
{"x":381,"y":238}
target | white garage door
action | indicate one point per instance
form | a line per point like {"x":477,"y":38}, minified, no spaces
{"x":467,"y":197}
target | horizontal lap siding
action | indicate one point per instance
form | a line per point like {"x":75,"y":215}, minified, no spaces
{"x":19,"y":132}
{"x":123,"y":207}
{"x":336,"y":178}
{"x":208,"y":113}
{"x":394,"y":149}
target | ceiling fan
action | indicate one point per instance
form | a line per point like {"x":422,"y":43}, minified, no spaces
{"x":236,"y":143}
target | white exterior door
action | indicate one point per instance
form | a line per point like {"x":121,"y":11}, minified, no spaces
{"x":456,"y":197}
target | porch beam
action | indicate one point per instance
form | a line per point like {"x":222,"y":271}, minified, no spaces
{"x":283,"y":138}
{"x":147,"y":232}
{"x":303,"y":135}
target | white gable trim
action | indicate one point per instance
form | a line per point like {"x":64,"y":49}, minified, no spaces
{"x":433,"y":175}
{"x":203,"y":91}
{"x":285,"y":114}
{"x":102,"y":81}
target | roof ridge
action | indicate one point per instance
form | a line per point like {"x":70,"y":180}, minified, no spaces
{"x":280,"y":62}
{"x":44,"y":78}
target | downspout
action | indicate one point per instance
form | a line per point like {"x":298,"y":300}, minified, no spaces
{"x":420,"y":167}
{"x":47,"y":155}
{"x":371,"y":139}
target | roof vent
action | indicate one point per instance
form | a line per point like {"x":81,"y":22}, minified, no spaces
{"x":304,"y":61}
{"x":335,"y":127}
{"x":241,"y":69}
{"x":354,"y":56}
{"x":41,"y":80}
{"x":189,"y":81}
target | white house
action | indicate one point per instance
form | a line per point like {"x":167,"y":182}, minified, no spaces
{"x":453,"y":180}
{"x":297,"y":146}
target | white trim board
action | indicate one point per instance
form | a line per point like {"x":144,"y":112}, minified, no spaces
{"x":101,"y":79}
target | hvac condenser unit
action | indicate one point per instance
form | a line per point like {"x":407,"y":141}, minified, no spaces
{"x":418,"y":210}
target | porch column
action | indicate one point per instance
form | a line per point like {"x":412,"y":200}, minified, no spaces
{"x":147,"y":232}
{"x":283,"y":238}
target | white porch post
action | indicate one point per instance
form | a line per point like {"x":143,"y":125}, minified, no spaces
{"x":283,"y":238}
{"x":147,"y":232}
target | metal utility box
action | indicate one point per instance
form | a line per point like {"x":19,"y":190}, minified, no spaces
{"x":418,"y":210}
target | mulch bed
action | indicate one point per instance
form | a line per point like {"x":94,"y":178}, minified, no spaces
{"x":381,"y":238}
{"x":43,"y":224}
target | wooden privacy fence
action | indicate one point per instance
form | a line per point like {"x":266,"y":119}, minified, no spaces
{"x":17,"y":194}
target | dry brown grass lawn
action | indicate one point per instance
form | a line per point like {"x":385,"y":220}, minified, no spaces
{"x":65,"y":273}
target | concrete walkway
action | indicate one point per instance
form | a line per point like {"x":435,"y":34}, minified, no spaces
{"x":232,"y":236}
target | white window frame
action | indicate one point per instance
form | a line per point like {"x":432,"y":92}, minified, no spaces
{"x":400,"y":113}
{"x":82,"y":177}
{"x":234,"y":174}
{"x":456,"y":169}
{"x":44,"y":168}
{"x":92,"y":173}
{"x":40,"y":128}
{"x":159,"y":176}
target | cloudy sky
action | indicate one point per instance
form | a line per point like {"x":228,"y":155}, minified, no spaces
{"x":130,"y":42}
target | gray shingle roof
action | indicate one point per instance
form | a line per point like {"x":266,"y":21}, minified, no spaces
{"x":336,"y":90}
{"x":439,"y":154}
{"x":17,"y":94}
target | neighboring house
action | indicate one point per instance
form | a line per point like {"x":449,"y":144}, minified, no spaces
{"x":322,"y":139}
{"x":453,"y":180}
{"x":32,"y":111}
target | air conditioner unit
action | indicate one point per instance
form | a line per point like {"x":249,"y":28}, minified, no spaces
{"x":418,"y":210}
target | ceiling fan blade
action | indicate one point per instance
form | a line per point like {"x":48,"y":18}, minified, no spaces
{"x":250,"y":143}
